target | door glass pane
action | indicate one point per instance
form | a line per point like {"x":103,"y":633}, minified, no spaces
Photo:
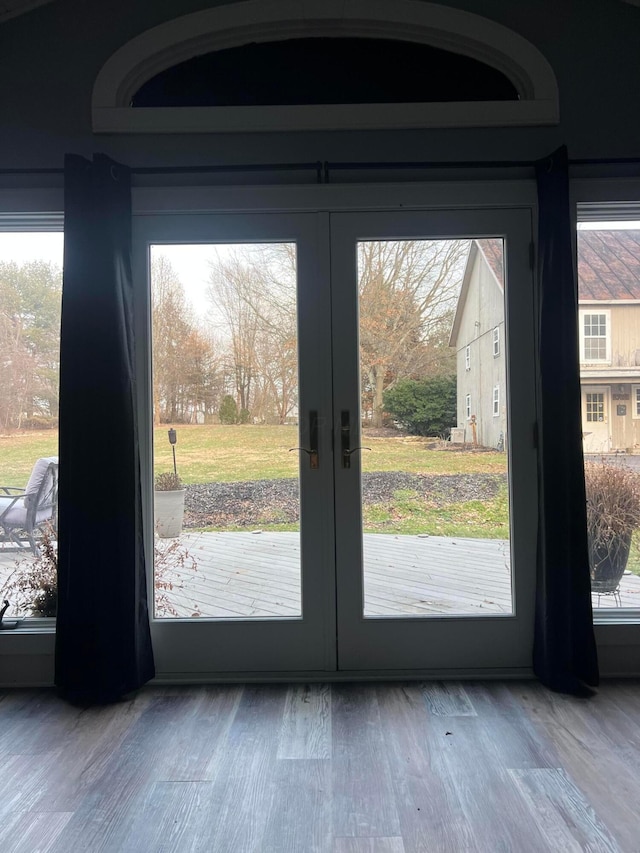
{"x":30,"y":302}
{"x":609,"y":274}
{"x":434,"y":413}
{"x":225,"y":414}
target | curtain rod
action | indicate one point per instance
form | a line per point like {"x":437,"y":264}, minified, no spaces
{"x":322,"y":169}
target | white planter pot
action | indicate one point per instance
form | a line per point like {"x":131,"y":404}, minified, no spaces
{"x":168,"y":513}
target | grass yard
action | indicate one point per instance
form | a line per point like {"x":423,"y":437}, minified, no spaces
{"x":19,"y":451}
{"x":410,"y":515}
{"x":217,"y":453}
{"x":234,"y":453}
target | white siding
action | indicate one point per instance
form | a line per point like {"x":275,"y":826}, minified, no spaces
{"x":483,"y":312}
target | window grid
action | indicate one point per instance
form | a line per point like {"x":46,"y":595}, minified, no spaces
{"x":636,"y":401}
{"x":467,"y":405}
{"x":595,"y":337}
{"x":467,"y":358}
{"x":496,"y":400}
{"x":496,"y":341}
{"x":595,"y":407}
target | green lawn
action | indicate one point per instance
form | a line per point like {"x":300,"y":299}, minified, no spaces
{"x":219,"y":453}
{"x":18,"y":452}
{"x":231,"y":453}
{"x":408,"y":513}
{"x":235,"y":453}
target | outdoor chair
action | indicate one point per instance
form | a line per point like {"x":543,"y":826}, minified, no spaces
{"x":24,"y":511}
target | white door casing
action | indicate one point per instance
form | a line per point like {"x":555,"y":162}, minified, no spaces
{"x":332,"y":637}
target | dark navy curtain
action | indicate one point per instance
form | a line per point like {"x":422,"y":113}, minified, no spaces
{"x":103,"y":643}
{"x":565,"y":655}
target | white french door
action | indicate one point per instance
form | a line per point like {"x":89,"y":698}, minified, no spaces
{"x":231,"y":596}
{"x":340,"y":585}
{"x":408,"y":600}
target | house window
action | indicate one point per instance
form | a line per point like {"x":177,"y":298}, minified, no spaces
{"x":595,"y":407}
{"x":635,"y":401}
{"x":467,"y":358}
{"x":467,"y":406}
{"x":496,"y":341}
{"x":496,"y":401}
{"x":595,"y":337}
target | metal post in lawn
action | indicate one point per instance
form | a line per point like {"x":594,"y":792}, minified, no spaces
{"x":173,"y":438}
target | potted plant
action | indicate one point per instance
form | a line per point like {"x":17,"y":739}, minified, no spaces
{"x":613,"y":514}
{"x":168,"y":505}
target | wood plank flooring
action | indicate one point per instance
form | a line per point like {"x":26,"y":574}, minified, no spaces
{"x":341,"y":768}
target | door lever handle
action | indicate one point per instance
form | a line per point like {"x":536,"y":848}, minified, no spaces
{"x":345,"y":440}
{"x":314,"y":461}
{"x":346,"y":455}
{"x":312,"y":452}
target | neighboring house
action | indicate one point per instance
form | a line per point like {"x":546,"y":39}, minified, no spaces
{"x":609,"y":330}
{"x":478,"y":337}
{"x":609,"y":327}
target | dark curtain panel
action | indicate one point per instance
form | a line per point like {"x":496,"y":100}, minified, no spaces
{"x":103,"y":643}
{"x":565,"y":655}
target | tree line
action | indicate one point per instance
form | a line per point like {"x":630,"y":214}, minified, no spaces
{"x":30,"y":299}
{"x":239,"y":362}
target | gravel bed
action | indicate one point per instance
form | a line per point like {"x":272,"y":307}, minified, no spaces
{"x":255,"y":502}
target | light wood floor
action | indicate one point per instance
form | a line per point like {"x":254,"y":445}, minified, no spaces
{"x":346,"y":768}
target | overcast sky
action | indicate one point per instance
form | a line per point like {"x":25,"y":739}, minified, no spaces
{"x":189,"y":261}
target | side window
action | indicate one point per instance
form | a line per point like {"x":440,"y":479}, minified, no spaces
{"x":496,"y":341}
{"x":467,"y":406}
{"x":496,"y":401}
{"x":30,"y":304}
{"x":595,"y":337}
{"x":467,"y":358}
{"x":608,"y":254}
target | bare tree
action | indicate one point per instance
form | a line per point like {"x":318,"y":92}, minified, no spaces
{"x":254,"y":289}
{"x":185,"y":369}
{"x":30,"y":296}
{"x":408,"y":290}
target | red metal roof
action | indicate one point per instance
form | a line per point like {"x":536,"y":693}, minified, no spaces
{"x":609,"y":264}
{"x":492,"y":249}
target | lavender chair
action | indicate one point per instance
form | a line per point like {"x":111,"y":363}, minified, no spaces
{"x":24,"y":511}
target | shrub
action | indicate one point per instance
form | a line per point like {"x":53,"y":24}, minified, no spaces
{"x":168,"y":482}
{"x":424,"y":407}
{"x":33,"y":584}
{"x":228,"y":410}
{"x":613,"y":502}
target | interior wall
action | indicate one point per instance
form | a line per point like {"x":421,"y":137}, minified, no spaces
{"x":50,"y":57}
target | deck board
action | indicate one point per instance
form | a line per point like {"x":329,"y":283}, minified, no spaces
{"x":250,"y":574}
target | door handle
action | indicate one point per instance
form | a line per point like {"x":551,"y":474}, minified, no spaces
{"x":312,"y":452}
{"x":345,"y":440}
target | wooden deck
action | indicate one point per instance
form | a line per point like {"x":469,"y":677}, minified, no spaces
{"x":242,"y":575}
{"x":258,"y":574}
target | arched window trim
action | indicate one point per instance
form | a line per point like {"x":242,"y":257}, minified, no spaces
{"x":236,"y":24}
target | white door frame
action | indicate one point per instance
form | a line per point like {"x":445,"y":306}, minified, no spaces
{"x":190,"y":658}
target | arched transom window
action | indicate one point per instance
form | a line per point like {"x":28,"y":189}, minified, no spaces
{"x":268,"y":66}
